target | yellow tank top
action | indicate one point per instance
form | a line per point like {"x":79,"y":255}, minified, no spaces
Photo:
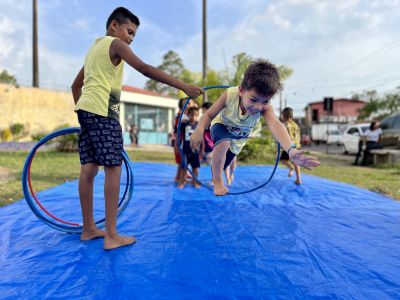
{"x":236,"y":123}
{"x":102,"y":81}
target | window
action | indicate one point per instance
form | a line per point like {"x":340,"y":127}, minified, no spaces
{"x":353,"y":131}
{"x":396,"y":123}
{"x":387,"y":123}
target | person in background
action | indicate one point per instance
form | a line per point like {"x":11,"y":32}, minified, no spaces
{"x":294,"y":132}
{"x":370,"y":140}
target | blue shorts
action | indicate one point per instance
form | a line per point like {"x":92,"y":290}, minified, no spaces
{"x":100,"y":140}
{"x":219,"y":133}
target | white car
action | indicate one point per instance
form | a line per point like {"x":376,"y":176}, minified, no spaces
{"x":351,"y":137}
{"x":334,"y":137}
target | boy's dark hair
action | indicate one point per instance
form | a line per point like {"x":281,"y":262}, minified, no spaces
{"x":206,"y":105}
{"x":181,"y":103}
{"x":121,"y":14}
{"x":192,"y":109}
{"x":262,"y":76}
{"x":287,"y":113}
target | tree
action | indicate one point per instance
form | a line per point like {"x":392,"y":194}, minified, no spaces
{"x":172,"y":65}
{"x":5,"y":77}
{"x":240,"y":63}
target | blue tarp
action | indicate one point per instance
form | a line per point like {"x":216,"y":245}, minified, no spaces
{"x":320,"y":240}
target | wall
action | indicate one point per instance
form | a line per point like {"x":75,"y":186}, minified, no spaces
{"x":40,"y":110}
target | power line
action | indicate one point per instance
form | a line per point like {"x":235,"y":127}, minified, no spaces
{"x":389,"y":46}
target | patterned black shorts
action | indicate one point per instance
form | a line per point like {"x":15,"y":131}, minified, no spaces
{"x":100,"y":140}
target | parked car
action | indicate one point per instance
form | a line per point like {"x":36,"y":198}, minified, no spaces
{"x":334,"y":137}
{"x":391,"y":131}
{"x":351,"y":137}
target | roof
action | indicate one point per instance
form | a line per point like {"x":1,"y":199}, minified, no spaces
{"x":340,"y":99}
{"x":132,"y":89}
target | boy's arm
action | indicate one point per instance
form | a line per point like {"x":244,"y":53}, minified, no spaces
{"x":77,"y":85}
{"x":120,"y":49}
{"x":281,"y":134}
{"x":277,"y":128}
{"x":197,"y":137}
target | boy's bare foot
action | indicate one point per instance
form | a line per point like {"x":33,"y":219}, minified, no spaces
{"x":290,"y":172}
{"x":220,"y":189}
{"x":116,"y":241}
{"x":181,"y":186}
{"x":298,"y":182}
{"x":89,"y":235}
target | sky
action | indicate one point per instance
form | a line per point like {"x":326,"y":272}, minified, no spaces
{"x":334,"y":47}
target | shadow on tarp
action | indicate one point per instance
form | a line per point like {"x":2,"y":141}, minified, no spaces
{"x":321,"y":239}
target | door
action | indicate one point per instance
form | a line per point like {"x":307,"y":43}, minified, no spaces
{"x":351,"y":138}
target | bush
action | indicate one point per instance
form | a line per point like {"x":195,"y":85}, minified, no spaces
{"x":68,"y":143}
{"x":259,"y":149}
{"x":38,"y":136}
{"x":18,"y":131}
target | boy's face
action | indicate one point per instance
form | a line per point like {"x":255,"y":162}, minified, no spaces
{"x":194,"y":117}
{"x":125,"y":31}
{"x":252,"y":102}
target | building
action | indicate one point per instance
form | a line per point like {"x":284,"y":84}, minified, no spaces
{"x":344,"y":111}
{"x":150,"y":113}
{"x":42,"y":111}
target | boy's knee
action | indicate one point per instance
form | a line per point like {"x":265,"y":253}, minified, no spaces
{"x":89,"y":170}
{"x":224,"y":145}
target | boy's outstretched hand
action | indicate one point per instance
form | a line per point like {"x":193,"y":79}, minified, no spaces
{"x":195,"y":140}
{"x":193,"y":91}
{"x":298,"y":157}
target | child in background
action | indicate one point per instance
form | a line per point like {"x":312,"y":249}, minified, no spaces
{"x":192,"y":157}
{"x":208,"y":145}
{"x":294,"y":132}
{"x":175,"y":138}
{"x":235,"y":115}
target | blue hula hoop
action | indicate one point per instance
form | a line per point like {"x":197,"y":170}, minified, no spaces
{"x":183,"y":158}
{"x":52,"y":221}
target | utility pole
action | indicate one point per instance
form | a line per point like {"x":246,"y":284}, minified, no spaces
{"x":204,"y":46}
{"x":35,"y":51}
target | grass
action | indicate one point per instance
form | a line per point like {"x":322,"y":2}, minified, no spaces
{"x":53,"y":168}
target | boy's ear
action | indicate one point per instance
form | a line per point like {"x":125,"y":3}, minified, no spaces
{"x":113,"y":25}
{"x":240,"y":90}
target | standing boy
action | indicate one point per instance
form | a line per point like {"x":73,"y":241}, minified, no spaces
{"x":96,"y":91}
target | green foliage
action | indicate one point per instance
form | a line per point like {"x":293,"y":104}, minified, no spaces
{"x":172,"y":65}
{"x":38,"y":136}
{"x":67,"y":143}
{"x":284,"y":72}
{"x":18,"y":131}
{"x":240,"y":63}
{"x":5,"y":77}
{"x":378,"y":106}
{"x":258,"y":149}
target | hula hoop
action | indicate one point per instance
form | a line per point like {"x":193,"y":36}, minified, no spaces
{"x":52,"y":220}
{"x":183,"y":158}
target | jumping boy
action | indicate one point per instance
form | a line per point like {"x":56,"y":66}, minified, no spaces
{"x":236,"y":113}
{"x":97,"y":106}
